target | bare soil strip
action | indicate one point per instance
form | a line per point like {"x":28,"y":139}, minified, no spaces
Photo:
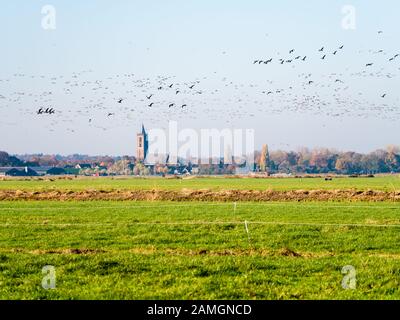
{"x":286,"y":252}
{"x":202,"y":195}
{"x":177,"y":252}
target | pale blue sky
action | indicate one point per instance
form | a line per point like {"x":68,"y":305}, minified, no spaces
{"x":190,"y":40}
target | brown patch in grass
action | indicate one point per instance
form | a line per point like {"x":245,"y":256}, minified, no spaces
{"x":231,"y":252}
{"x":395,"y":256}
{"x":84,"y":251}
{"x":145,"y":251}
{"x":286,"y":252}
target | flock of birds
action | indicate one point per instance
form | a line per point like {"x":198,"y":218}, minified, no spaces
{"x":46,"y":111}
{"x":122,"y":99}
{"x":291,"y":59}
{"x":151,"y":104}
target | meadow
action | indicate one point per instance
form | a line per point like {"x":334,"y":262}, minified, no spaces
{"x":199,"y":250}
{"x":385,"y":183}
{"x":112,"y":250}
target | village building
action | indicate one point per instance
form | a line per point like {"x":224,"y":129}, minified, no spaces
{"x":25,"y":172}
{"x":142,"y":145}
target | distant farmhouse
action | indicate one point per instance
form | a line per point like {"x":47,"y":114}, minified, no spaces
{"x":36,"y":171}
{"x":83,"y":166}
{"x":56,"y":171}
{"x":18,"y":172}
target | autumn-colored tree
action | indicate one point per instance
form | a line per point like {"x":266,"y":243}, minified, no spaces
{"x":264,"y":159}
{"x":121,"y":167}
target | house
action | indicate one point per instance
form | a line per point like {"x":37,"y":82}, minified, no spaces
{"x":71,"y":170}
{"x":83,"y":166}
{"x":155,"y":162}
{"x":41,"y":170}
{"x":3,"y":171}
{"x":56,"y":171}
{"x":100,"y":167}
{"x":26,"y":172}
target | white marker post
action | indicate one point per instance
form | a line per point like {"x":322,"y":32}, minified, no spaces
{"x":247,"y":230}
{"x":394,"y":192}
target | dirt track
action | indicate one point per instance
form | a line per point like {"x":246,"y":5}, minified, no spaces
{"x":202,"y":195}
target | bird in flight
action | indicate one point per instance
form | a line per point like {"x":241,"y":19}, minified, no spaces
{"x":149,"y":97}
{"x":120,"y":100}
{"x":322,"y":49}
{"x":291,"y":51}
{"x":184,"y":105}
{"x":171,"y":105}
{"x":151,"y":104}
{"x":110,"y":114}
{"x":384,"y":95}
{"x":369,"y":64}
{"x":341,"y":47}
{"x":171,"y":85}
{"x":192,"y":86}
{"x":323,"y":58}
{"x":177,"y":91}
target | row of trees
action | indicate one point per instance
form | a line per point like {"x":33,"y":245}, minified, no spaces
{"x":51,"y":160}
{"x":329,"y":161}
{"x":120,"y":167}
{"x":315,"y":161}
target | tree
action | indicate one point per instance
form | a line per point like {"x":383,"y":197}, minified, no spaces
{"x":392,"y":159}
{"x":7,"y":160}
{"x":349,"y":162}
{"x":121,"y":167}
{"x":140,"y":169}
{"x":264,"y":159}
{"x":374,"y":162}
{"x":323,"y":160}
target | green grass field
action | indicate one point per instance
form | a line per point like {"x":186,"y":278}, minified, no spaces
{"x":170,"y":250}
{"x":387,"y":183}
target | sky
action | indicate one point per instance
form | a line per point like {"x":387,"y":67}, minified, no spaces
{"x":101,"y":51}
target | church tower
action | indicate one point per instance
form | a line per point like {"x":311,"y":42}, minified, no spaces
{"x":142,"y":145}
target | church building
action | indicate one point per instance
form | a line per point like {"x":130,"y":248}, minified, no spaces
{"x":142,"y":145}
